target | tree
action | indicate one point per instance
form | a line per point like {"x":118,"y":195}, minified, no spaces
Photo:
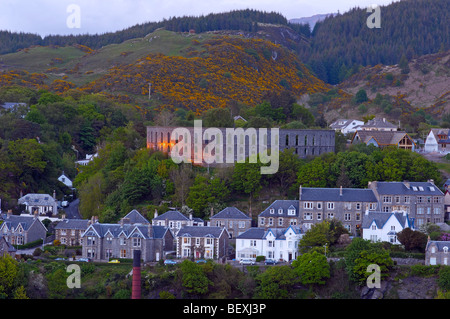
{"x":276,"y":283}
{"x":312,"y":268}
{"x":218,"y":117}
{"x":247,"y":178}
{"x":313,"y":174}
{"x":380,"y":258}
{"x":8,"y":275}
{"x":412,"y":240}
{"x":403,"y":64}
{"x":361,"y":96}
{"x":193,"y":279}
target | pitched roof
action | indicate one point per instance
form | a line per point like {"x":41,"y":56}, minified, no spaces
{"x":378,"y":123}
{"x":231,"y":213}
{"x":381,"y":137}
{"x":284,"y":205}
{"x":37,"y":199}
{"x":380,"y":219}
{"x":127,"y":229}
{"x":334,"y":194}
{"x":15,"y":221}
{"x":408,"y":188}
{"x":196,"y":231}
{"x":439,"y":244}
{"x":171,"y":215}
{"x":81,"y":224}
{"x":135,"y":217}
{"x":261,"y":233}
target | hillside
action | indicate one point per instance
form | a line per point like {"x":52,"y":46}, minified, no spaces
{"x":395,"y":95}
{"x":191,"y":71}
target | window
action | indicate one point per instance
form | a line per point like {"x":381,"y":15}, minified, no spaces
{"x":291,"y":212}
{"x":280,"y":221}
{"x":392,"y":227}
{"x":419,"y":199}
{"x":437,"y":210}
{"x":319,"y":205}
{"x":271,"y":221}
{"x":348,"y":206}
{"x":319,"y":216}
{"x":387,"y":199}
{"x":252,"y":243}
{"x":437,"y":199}
{"x":373,"y":238}
{"x":241,"y":224}
{"x":406,"y":199}
{"x":272,"y":211}
{"x":445,"y":249}
{"x":136,"y":242}
{"x":358,"y":206}
{"x":186,"y":240}
{"x":197,"y":241}
{"x":372,"y":206}
{"x":108,"y":253}
{"x":280,"y":211}
{"x":358,"y":217}
{"x":347,"y":216}
{"x":270,"y":243}
{"x":230,"y":224}
{"x":330,"y":205}
{"x":330,"y":215}
{"x":123,"y":241}
{"x":261,"y":221}
{"x":293,"y":222}
{"x":374,"y":227}
{"x":186,"y":252}
{"x":397,"y":199}
{"x":123,"y":253}
{"x":386,"y":209}
{"x":209,"y":241}
{"x":420,"y":210}
{"x":91,"y":240}
{"x":307,"y":216}
{"x":308,"y":205}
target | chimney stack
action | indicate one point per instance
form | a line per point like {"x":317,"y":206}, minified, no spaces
{"x":54,"y":194}
{"x":340,"y":191}
{"x":156,"y":213}
{"x":136,"y":284}
{"x":8,"y":213}
{"x":300,"y":192}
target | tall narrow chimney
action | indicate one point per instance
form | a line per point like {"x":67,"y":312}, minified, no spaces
{"x":340,"y":191}
{"x":136,"y":284}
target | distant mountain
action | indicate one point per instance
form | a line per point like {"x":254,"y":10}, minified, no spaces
{"x":311,"y":20}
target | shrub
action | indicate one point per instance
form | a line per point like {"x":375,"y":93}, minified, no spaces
{"x":260,"y":258}
{"x":444,"y":278}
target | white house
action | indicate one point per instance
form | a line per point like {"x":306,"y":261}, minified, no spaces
{"x":89,"y":158}
{"x":437,"y":140}
{"x":273,"y":243}
{"x":44,"y":204}
{"x":65,"y":180}
{"x":346,"y":126}
{"x":378,"y":227}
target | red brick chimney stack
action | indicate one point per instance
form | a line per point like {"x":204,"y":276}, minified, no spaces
{"x":136,"y":284}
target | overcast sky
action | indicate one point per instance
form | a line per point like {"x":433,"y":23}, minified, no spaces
{"x":46,"y":17}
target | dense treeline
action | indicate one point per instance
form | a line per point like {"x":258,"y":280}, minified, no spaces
{"x":44,"y":137}
{"x":343,"y":42}
{"x":245,"y":20}
{"x":338,"y":45}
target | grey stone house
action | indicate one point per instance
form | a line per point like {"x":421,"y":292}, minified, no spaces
{"x":21,"y":230}
{"x":280,"y":214}
{"x":102,"y":242}
{"x":234,"y":220}
{"x":436,"y":252}
{"x":348,"y":205}
{"x":208,"y":242}
{"x":70,"y":231}
{"x":422,"y":201}
{"x":6,"y":248}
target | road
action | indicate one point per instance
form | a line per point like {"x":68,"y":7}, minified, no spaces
{"x":72,"y":211}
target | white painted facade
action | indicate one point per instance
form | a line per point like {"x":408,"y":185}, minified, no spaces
{"x":386,"y":232}
{"x":271,"y":246}
{"x":431,"y":144}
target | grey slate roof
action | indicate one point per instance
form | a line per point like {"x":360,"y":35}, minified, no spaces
{"x":333,"y":194}
{"x":230,"y":213}
{"x":284,"y":205}
{"x":11,"y":105}
{"x":401,"y":188}
{"x":261,"y":233}
{"x":15,"y":220}
{"x":195,"y":231}
{"x":128,"y":229}
{"x":171,"y":215}
{"x":37,"y":199}
{"x":80,"y":224}
{"x":378,"y":123}
{"x":381,"y":137}
{"x":136,"y":218}
{"x":439,"y":244}
{"x":381,"y":218}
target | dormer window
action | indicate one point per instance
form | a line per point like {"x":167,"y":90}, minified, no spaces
{"x":272,"y":211}
{"x":291,"y":212}
{"x":280,"y":211}
{"x":445,"y":249}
